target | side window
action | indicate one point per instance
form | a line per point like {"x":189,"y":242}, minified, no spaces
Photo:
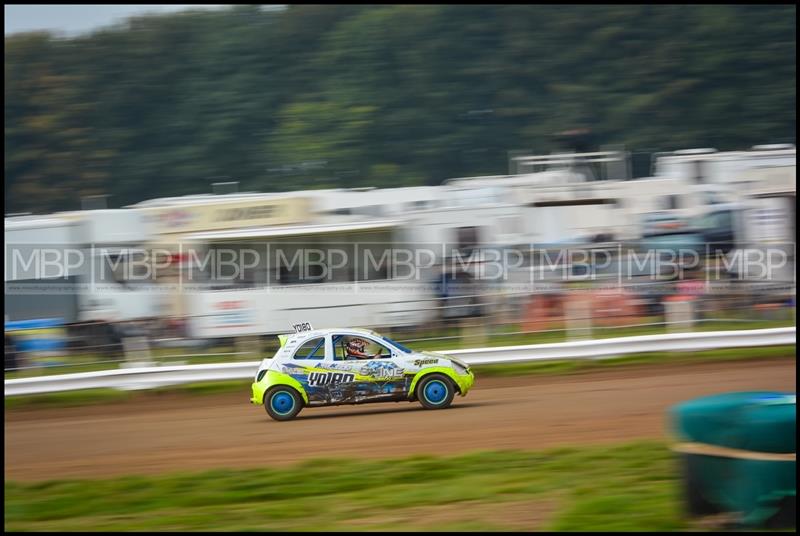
{"x":313,"y":349}
{"x":352,"y":347}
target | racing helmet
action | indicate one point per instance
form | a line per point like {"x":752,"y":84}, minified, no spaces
{"x":356,"y":345}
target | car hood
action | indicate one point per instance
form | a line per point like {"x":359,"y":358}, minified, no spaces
{"x":445,"y":356}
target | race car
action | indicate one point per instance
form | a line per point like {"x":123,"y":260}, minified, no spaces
{"x":332,"y":367}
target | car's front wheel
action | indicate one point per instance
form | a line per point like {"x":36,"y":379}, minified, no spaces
{"x":435,"y":391}
{"x":282,"y":403}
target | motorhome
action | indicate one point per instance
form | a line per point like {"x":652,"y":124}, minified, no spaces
{"x":83,"y":267}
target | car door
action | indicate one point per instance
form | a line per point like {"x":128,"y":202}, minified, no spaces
{"x":375,"y":378}
{"x":307,"y":364}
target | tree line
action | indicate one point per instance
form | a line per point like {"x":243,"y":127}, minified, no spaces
{"x":386,"y":95}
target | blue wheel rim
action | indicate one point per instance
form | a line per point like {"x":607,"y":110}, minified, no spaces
{"x":435,"y":392}
{"x":282,"y":403}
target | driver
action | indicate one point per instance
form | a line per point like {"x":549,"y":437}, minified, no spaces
{"x":357,"y":348}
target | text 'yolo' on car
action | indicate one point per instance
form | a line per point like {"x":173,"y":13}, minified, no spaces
{"x":333,"y":367}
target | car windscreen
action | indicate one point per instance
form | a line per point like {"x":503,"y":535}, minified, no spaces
{"x":397,"y":345}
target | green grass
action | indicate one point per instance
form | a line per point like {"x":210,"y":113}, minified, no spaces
{"x":628,"y":487}
{"x":90,"y":363}
{"x":67,"y":399}
{"x":106,"y":396}
{"x":109,"y":396}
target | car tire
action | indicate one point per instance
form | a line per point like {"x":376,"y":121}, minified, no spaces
{"x":435,"y":391}
{"x":282,"y":403}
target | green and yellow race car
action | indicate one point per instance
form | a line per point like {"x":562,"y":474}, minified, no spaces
{"x":333,"y":367}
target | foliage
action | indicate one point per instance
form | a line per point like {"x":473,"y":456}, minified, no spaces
{"x":379,"y":95}
{"x":629,"y":487}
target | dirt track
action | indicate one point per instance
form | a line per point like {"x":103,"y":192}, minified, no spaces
{"x":179,"y":433}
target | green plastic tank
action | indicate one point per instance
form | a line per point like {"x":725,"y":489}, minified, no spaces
{"x":737,"y":454}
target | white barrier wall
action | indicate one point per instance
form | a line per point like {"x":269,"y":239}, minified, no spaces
{"x":152,"y":377}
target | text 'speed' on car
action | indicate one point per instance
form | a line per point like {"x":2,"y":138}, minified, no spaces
{"x":352,"y":366}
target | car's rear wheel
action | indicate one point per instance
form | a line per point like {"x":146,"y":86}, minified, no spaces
{"x":435,"y":391}
{"x":282,"y":403}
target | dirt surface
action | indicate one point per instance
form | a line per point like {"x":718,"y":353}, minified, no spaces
{"x":177,"y":433}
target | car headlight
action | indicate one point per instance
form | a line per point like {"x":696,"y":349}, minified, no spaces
{"x":260,"y":375}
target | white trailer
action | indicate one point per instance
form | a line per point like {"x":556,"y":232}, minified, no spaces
{"x":77,"y":266}
{"x":253,"y":264}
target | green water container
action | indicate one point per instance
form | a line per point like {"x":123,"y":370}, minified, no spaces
{"x":737,"y":455}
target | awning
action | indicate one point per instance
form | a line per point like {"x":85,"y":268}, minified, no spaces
{"x":292,"y":230}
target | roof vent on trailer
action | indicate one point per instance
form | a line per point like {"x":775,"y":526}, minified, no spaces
{"x":773,"y":147}
{"x":684,"y":152}
{"x":225,"y":188}
{"x":94,"y":202}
